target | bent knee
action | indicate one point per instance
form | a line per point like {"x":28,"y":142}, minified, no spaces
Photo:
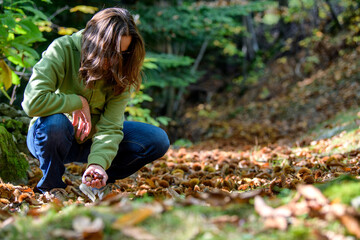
{"x":57,"y":125}
{"x":161,"y":143}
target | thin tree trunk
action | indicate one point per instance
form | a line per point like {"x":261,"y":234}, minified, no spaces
{"x":200,"y":55}
{"x":170,"y":105}
{"x":316,"y":15}
{"x":283,"y":4}
{"x":251,"y":41}
{"x":333,"y":14}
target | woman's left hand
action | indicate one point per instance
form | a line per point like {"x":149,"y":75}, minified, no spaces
{"x":95,"y":170}
{"x":82,"y":120}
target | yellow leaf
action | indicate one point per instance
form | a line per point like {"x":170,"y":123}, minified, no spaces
{"x":135,"y":217}
{"x":5,"y":75}
{"x":84,"y":9}
{"x":66,"y":31}
{"x":44,"y":26}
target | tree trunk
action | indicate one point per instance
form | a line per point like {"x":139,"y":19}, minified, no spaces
{"x":251,"y":40}
{"x":283,"y":27}
{"x":333,"y":14}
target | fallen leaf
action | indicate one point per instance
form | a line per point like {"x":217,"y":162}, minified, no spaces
{"x":312,"y":193}
{"x":352,"y":224}
{"x":225,"y":219}
{"x":273,"y":218}
{"x":132,"y":218}
{"x":137,"y":233}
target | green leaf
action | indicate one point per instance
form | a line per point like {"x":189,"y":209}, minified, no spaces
{"x":17,"y":60}
{"x":19,"y":29}
{"x":23,"y":47}
{"x":163,"y":120}
{"x":15,"y":3}
{"x":150,"y":65}
{"x":31,"y":29}
{"x":36,"y":12}
{"x":10,"y":37}
{"x":15,"y":78}
{"x":9,"y":22}
{"x":3,"y":33}
{"x":4,"y":92}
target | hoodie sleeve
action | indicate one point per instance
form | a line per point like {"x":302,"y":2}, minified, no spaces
{"x":109,"y":132}
{"x":40,"y":96}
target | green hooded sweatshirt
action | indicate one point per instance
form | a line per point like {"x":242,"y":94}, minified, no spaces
{"x":54,"y":87}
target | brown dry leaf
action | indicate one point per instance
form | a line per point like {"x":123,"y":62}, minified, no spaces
{"x":137,"y":233}
{"x":273,"y":218}
{"x":352,"y":224}
{"x":133,"y":218}
{"x":276,"y":222}
{"x":4,"y":201}
{"x":90,"y":230}
{"x":173,"y":194}
{"x":313,"y":194}
{"x":348,"y":217}
{"x":4,"y":214}
{"x":224,"y":219}
{"x":262,"y":208}
{"x":150,"y":182}
{"x":6,"y":190}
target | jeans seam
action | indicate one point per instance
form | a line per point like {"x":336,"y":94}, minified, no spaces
{"x":132,"y":161}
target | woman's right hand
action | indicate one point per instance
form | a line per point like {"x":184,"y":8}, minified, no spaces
{"x":82,"y":120}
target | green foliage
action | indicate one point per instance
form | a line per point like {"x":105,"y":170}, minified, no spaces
{"x":136,"y":112}
{"x":18,"y":32}
{"x":182,"y":143}
{"x":191,"y":24}
{"x":184,"y":28}
{"x":177,"y":34}
{"x":299,"y":10}
{"x":164,"y":70}
{"x":351,"y":17}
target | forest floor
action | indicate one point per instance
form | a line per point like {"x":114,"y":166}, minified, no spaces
{"x":282,"y":168}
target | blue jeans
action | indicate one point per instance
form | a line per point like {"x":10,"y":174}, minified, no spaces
{"x":51,"y":140}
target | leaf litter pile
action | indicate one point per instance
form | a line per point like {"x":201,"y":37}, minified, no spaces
{"x":244,"y":191}
{"x":185,"y":177}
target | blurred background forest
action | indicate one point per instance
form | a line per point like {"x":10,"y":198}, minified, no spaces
{"x":212,"y":67}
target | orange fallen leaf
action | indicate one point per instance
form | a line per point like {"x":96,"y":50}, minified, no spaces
{"x":132,"y":218}
{"x":351,"y":224}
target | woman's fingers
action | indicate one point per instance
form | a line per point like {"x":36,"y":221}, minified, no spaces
{"x":87,"y":127}
{"x":75,"y":120}
{"x":80,"y":128}
{"x":82,"y":120}
{"x":82,"y":123}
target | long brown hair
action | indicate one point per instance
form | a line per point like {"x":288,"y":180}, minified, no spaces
{"x":101,"y":55}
